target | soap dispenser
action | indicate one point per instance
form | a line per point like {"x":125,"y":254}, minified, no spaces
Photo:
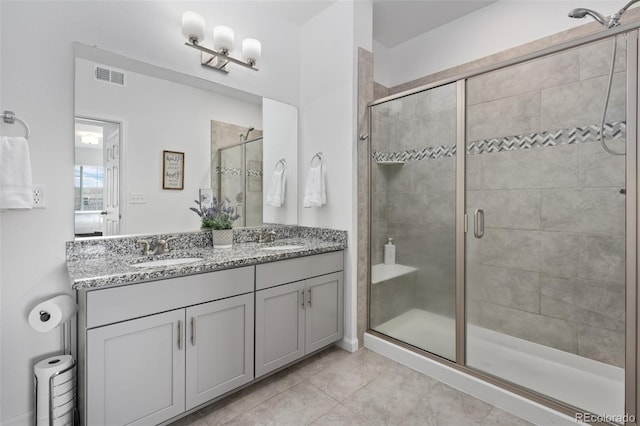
{"x":390,"y":253}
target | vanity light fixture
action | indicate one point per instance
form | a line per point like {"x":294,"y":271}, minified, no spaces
{"x":90,"y":139}
{"x":223,"y":39}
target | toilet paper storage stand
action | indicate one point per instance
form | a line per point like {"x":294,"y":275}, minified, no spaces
{"x":52,"y":384}
{"x":55,"y":381}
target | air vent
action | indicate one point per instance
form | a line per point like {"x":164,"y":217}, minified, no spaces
{"x":109,"y":76}
{"x":117,"y":77}
{"x":103,"y":74}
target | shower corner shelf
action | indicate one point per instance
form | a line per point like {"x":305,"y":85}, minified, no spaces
{"x":382,"y":272}
{"x":390,"y":162}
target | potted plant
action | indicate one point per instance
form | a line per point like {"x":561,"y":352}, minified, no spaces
{"x":218,"y":217}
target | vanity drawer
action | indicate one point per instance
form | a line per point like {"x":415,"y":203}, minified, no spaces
{"x":286,"y":271}
{"x":106,"y":306}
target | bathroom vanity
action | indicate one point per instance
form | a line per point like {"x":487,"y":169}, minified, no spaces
{"x":157,"y":341}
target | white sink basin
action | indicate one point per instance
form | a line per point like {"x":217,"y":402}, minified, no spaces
{"x":289,"y":247}
{"x":166,"y":262}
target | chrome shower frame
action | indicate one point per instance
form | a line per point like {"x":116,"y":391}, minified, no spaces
{"x":632,"y":377}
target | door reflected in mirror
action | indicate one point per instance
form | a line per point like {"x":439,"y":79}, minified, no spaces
{"x":96,"y":177}
{"x":136,"y":111}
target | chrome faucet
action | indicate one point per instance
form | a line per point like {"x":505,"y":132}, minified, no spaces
{"x":157,"y":247}
{"x":266,"y":237}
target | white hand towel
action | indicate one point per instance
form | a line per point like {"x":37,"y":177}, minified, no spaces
{"x":314,"y":191}
{"x":16,"y":188}
{"x":275,"y":194}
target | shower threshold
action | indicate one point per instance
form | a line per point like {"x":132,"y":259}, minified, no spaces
{"x":566,"y":377}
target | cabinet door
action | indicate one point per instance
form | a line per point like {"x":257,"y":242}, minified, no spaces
{"x":324,"y":311}
{"x":219,"y":348}
{"x":279,"y":326}
{"x":135,"y":371}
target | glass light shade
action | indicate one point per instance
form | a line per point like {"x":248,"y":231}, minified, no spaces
{"x":193,"y":26}
{"x":223,"y":38}
{"x":90,"y":139}
{"x":251,"y":50}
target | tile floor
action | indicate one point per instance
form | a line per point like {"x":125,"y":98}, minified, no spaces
{"x":335,"y":387}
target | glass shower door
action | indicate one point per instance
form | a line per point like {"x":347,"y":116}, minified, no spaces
{"x":253,"y":189}
{"x":231,"y":179}
{"x":413,"y":197}
{"x":545,"y":249}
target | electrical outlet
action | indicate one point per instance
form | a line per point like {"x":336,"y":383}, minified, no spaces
{"x":39,"y":198}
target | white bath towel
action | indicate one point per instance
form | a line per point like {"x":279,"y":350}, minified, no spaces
{"x":275,"y":193}
{"x":16,"y":188}
{"x":314,"y":191}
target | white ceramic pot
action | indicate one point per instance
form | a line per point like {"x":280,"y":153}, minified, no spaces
{"x":222,"y":238}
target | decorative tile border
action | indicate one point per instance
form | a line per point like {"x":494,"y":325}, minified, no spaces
{"x":254,"y":173}
{"x":235,"y":171}
{"x":430,"y":153}
{"x":543,"y":139}
{"x":578,"y":135}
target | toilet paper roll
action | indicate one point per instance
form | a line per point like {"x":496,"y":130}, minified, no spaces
{"x":43,"y":372}
{"x":51,"y":313}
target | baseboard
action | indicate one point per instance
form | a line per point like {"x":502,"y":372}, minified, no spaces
{"x":349,"y":345}
{"x":501,"y":398}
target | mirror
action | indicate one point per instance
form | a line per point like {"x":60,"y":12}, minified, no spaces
{"x":149,"y":141}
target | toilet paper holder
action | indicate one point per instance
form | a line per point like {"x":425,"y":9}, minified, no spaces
{"x":52,"y":384}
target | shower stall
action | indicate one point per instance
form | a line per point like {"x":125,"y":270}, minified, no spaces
{"x":239,"y":173}
{"x":515,"y":231}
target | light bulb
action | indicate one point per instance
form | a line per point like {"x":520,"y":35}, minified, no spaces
{"x":193,"y":26}
{"x":251,"y":50}
{"x":223,"y":39}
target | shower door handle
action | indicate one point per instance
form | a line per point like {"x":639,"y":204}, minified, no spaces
{"x":478,"y":223}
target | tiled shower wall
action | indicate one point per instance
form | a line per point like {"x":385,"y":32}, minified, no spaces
{"x":414,"y":203}
{"x":550,"y":268}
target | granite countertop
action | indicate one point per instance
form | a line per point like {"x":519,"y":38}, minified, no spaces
{"x":113,"y":271}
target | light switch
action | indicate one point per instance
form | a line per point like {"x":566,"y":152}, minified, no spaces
{"x":137,"y":198}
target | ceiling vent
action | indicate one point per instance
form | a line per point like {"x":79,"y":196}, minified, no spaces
{"x":110,"y":76}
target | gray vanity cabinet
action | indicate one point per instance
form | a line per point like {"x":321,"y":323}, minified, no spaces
{"x":297,"y":318}
{"x":324,"y":312}
{"x":136,"y":372}
{"x":150,"y":351}
{"x":280,"y":332}
{"x":219,"y":348}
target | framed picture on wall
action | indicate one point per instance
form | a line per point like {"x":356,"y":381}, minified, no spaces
{"x":172,"y":170}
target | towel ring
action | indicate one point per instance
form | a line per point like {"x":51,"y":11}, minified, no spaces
{"x":9,"y":117}
{"x":317,"y":155}
{"x":282,"y":162}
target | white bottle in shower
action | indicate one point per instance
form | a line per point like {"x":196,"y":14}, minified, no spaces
{"x":390,"y":253}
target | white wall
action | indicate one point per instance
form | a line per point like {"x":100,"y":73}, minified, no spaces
{"x":499,"y":26}
{"x":280,"y":125}
{"x":160,"y":115}
{"x":328,"y":102}
{"x":36,"y":53}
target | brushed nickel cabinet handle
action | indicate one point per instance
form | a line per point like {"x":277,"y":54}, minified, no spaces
{"x":309,"y":297}
{"x":194,"y":325}
{"x":180,"y":334}
{"x":302,"y":294}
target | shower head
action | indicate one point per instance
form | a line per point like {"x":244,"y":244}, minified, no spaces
{"x":582,"y":12}
{"x":245,"y":136}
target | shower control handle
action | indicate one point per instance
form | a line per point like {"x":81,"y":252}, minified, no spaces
{"x":478,"y":223}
